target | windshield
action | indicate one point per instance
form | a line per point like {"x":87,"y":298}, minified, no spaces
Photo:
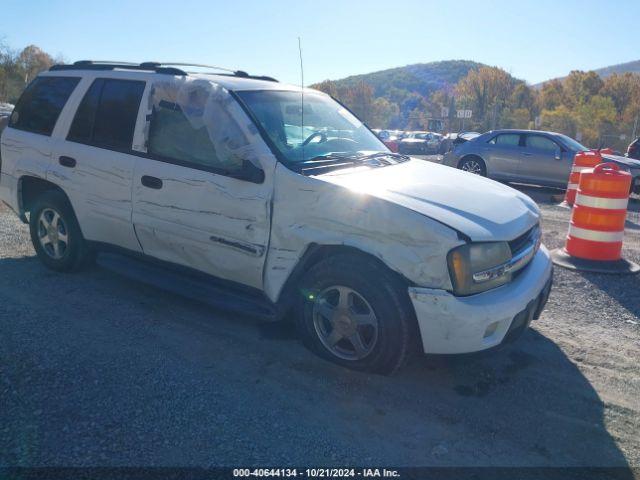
{"x":572,"y":144}
{"x":324,"y":128}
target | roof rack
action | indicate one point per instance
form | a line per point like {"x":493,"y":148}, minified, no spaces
{"x":109,"y":65}
{"x":158,"y":67}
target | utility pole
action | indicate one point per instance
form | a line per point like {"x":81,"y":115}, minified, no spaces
{"x":635,"y":129}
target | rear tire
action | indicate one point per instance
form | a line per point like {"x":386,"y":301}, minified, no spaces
{"x":356,"y":313}
{"x":473,"y":164}
{"x":56,"y":235}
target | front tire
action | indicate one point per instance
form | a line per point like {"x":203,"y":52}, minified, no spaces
{"x":55,"y":233}
{"x":473,"y":164}
{"x":356,"y":313}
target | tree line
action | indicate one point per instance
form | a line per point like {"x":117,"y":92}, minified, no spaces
{"x":18,"y":68}
{"x":582,"y":105}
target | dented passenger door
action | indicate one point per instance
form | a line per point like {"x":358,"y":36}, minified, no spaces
{"x":203,"y":182}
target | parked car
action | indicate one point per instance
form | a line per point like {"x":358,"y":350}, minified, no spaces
{"x":527,"y":156}
{"x":633,"y":150}
{"x":419,"y":143}
{"x":389,"y":139}
{"x":4,"y":120}
{"x":452,"y":140}
{"x":5,"y":111}
{"x":204,"y":177}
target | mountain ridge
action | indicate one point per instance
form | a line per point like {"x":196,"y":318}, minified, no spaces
{"x":425,"y":78}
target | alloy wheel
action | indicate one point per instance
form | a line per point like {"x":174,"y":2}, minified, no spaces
{"x":345,"y":322}
{"x":53,"y":234}
{"x":471,"y":166}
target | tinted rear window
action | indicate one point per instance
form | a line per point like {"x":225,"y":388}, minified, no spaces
{"x":107,"y":114}
{"x":82,"y":126}
{"x":40,"y":105}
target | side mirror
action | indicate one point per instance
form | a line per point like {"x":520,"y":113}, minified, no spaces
{"x":252,"y":173}
{"x":558,"y":154}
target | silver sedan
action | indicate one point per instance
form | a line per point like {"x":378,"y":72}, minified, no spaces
{"x":526,"y":156}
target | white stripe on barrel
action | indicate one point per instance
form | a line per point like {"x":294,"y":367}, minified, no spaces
{"x":599,"y":202}
{"x":572,"y":186}
{"x":594,"y":235}
{"x":579,"y":169}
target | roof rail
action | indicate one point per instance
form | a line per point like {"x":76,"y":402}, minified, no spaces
{"x":228,"y":71}
{"x":158,"y":67}
{"x":108,"y":65}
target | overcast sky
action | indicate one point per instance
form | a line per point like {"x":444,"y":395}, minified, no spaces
{"x":534,"y":40}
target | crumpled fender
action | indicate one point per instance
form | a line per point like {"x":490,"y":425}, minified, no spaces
{"x":307,"y":210}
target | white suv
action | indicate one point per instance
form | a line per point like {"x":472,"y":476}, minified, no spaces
{"x":267,"y":198}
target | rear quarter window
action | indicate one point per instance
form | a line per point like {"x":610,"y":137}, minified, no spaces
{"x":40,"y":105}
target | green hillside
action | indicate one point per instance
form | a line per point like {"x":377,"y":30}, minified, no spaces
{"x":421,"y":78}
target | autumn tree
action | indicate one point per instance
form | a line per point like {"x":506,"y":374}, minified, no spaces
{"x":624,"y":91}
{"x":580,"y":87}
{"x":384,"y":114}
{"x":486,"y":91}
{"x":596,"y":117}
{"x":559,"y":119}
{"x":33,"y":60}
{"x":551,"y":95}
{"x":327,"y":86}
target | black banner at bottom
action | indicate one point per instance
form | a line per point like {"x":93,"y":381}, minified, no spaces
{"x":404,"y":473}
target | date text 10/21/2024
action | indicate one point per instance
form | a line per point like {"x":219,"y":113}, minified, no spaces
{"x":316,"y":472}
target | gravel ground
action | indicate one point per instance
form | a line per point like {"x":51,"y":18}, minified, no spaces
{"x":98,"y":370}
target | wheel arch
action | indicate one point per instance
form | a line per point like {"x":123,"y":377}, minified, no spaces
{"x":314,"y":254}
{"x":31,"y":187}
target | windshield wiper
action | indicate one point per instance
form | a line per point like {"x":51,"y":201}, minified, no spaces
{"x":332,"y":157}
{"x":343,"y":159}
{"x":395,"y":156}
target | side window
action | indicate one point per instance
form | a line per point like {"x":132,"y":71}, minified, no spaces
{"x":82,"y":127}
{"x":541,"y":143}
{"x":506,"y":139}
{"x":107,"y":114}
{"x":171,"y":136}
{"x":191,"y":125}
{"x":40,"y":105}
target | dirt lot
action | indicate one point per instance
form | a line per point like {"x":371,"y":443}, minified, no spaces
{"x":96,"y":369}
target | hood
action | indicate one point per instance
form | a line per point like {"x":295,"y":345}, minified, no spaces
{"x":480,"y":208}
{"x":629,"y":162}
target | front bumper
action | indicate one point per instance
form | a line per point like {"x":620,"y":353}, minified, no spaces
{"x":450,"y":324}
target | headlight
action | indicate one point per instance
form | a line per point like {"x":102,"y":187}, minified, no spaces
{"x":476,"y":267}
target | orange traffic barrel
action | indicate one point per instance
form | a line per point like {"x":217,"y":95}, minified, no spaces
{"x":606,"y":151}
{"x":581,"y":161}
{"x":596,"y":230}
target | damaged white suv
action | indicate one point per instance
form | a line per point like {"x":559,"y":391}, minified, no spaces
{"x":264,"y":198}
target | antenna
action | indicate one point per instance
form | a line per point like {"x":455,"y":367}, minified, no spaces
{"x":301,"y":96}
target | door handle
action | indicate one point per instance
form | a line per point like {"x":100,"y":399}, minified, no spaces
{"x":527,"y":154}
{"x":151,"y":182}
{"x":67,"y":161}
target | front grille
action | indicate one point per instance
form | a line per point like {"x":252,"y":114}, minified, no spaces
{"x":524,"y":241}
{"x":518,"y":244}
